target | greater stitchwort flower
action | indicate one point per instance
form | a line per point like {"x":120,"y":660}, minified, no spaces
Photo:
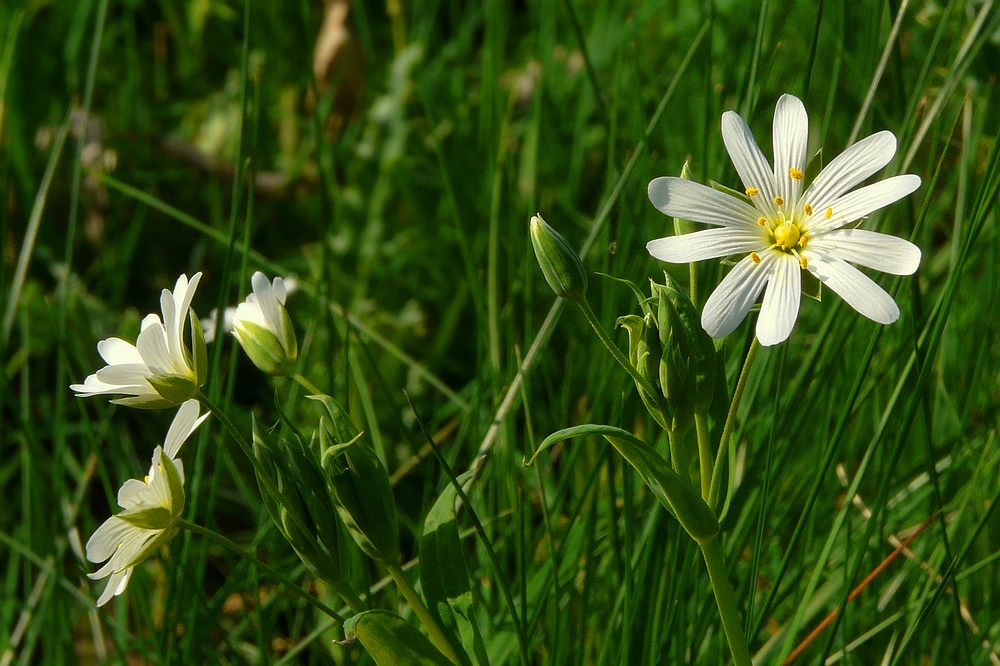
{"x":264,"y":329}
{"x":783,"y":231}
{"x":153,"y":508}
{"x":158,"y":370}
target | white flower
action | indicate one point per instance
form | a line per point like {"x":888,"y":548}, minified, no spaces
{"x":784,"y":231}
{"x":152,"y":509}
{"x":159,"y":370}
{"x":264,"y":329}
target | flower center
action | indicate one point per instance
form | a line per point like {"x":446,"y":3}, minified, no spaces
{"x":787,"y":235}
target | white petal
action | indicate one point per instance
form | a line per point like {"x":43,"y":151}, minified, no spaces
{"x":183,"y":425}
{"x":153,"y":346}
{"x":707,"y":244}
{"x":125,"y":377}
{"x":750,"y":163}
{"x":791,"y":136}
{"x":781,"y":300}
{"x":856,"y":288}
{"x":103,"y":543}
{"x":882,"y":252}
{"x":116,"y":351}
{"x":131,"y":493}
{"x":267,"y":301}
{"x":116,"y":585}
{"x":693,"y":201}
{"x":855,"y":205}
{"x":850,"y":168}
{"x":733,"y":298}
{"x":280,"y":292}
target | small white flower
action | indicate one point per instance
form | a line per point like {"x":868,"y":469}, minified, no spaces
{"x":264,"y":329}
{"x":152,"y":509}
{"x":159,"y":370}
{"x":786,"y":230}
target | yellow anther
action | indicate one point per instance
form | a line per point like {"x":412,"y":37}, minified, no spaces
{"x":808,"y":209}
{"x":754,"y":257}
{"x":803,"y":262}
{"x":803,"y":240}
{"x":795,"y":173}
{"x":752,"y":191}
{"x":762,"y":221}
{"x":829,"y":213}
{"x":779,"y":201}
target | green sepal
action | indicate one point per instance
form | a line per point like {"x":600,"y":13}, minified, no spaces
{"x":391,"y":640}
{"x":198,"y":349}
{"x":175,"y":483}
{"x":148,"y":518}
{"x":264,"y":348}
{"x":812,"y":286}
{"x":676,"y":494}
{"x":682,"y":226}
{"x":719,"y":187}
{"x":175,"y":389}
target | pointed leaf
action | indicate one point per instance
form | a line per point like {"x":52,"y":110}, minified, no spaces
{"x":391,"y":641}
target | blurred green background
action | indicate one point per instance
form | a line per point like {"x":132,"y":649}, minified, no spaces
{"x":389,"y":155}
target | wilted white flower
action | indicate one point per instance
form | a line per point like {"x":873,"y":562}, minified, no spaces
{"x":264,"y":329}
{"x":153,"y":508}
{"x":783,"y":231}
{"x":159,"y":370}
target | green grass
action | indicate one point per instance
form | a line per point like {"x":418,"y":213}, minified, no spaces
{"x":399,"y":192}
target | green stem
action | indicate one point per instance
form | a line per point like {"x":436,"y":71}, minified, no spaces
{"x":734,"y":406}
{"x":306,"y":384}
{"x":416,"y":603}
{"x":624,"y":362}
{"x":704,"y":454}
{"x":726,"y":600}
{"x":246,"y":554}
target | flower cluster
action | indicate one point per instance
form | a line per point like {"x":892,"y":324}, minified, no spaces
{"x":165,"y":369}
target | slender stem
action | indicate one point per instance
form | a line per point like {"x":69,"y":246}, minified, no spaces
{"x":726,"y":600}
{"x":416,"y":603}
{"x":734,"y":406}
{"x":246,"y":554}
{"x":613,"y":348}
{"x":350,"y":597}
{"x":306,"y":384}
{"x":704,"y":454}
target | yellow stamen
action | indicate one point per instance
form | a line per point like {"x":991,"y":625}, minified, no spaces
{"x":803,"y":262}
{"x":755,"y":258}
{"x":808,"y":209}
{"x":803,"y":240}
{"x":779,"y":201}
{"x":829,"y":213}
{"x":795,"y":173}
{"x":762,"y":221}
{"x":752,"y":191}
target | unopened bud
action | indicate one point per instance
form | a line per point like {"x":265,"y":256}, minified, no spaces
{"x":559,"y":262}
{"x":360,"y":484}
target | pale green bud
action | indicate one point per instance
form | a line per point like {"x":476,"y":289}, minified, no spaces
{"x":360,"y":484}
{"x":559,"y":262}
{"x":264,"y":329}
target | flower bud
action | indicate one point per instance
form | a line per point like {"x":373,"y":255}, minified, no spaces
{"x":644,"y":356}
{"x":303,"y":508}
{"x":559,"y":262}
{"x":359,"y":483}
{"x":264,"y":329}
